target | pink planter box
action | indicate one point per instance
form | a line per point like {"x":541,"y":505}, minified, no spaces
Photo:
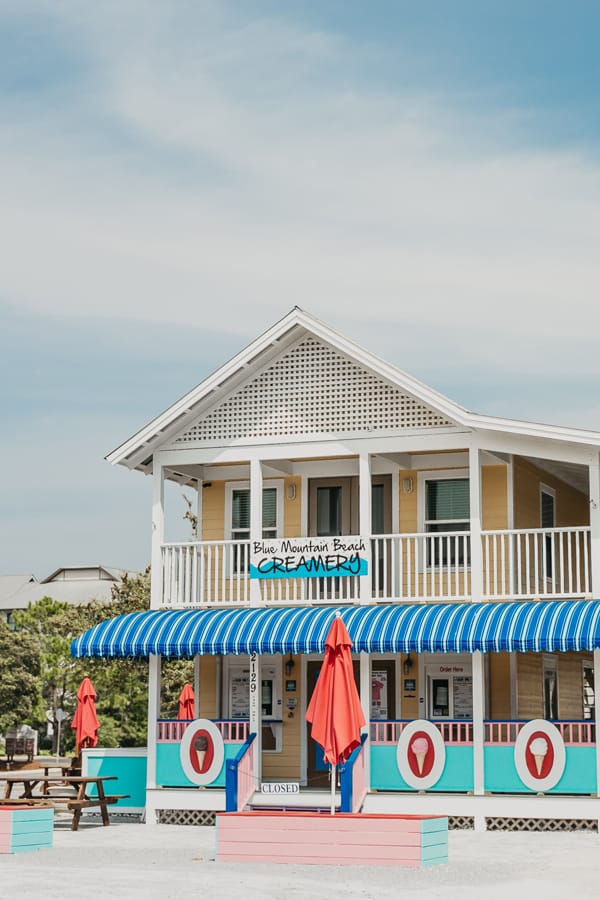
{"x":344,"y":839}
{"x":25,"y":828}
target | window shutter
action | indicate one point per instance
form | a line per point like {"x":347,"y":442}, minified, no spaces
{"x":448,"y":499}
{"x":240,"y":510}
{"x":547,"y":513}
{"x":269,"y":508}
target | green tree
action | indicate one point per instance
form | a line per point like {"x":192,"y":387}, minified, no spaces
{"x":42,"y":645}
{"x":20,"y":699}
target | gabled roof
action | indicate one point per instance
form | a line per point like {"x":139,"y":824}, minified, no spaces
{"x":137,"y":451}
{"x":69,"y":584}
{"x":84,"y":573}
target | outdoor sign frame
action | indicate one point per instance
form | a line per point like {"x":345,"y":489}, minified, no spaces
{"x":310,"y":557}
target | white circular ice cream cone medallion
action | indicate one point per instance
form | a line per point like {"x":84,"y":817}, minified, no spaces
{"x":538,"y":749}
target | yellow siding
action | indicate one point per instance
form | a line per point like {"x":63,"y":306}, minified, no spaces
{"x":572,"y":507}
{"x":291,"y":509}
{"x":408,"y":503}
{"x":213,"y":512}
{"x":530,"y":686}
{"x":409,"y":708}
{"x":207,"y":697}
{"x":570,"y":686}
{"x":286,"y":765}
{"x":499,"y":675}
{"x":494,"y":498}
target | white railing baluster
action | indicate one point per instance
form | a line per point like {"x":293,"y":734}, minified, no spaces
{"x":404,"y":567}
{"x":537,"y":562}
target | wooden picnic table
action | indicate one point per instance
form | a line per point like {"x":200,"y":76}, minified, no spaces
{"x":75,"y":792}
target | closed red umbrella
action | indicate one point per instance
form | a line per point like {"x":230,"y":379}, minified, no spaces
{"x":186,"y":702}
{"x":85,"y":721}
{"x":334,"y":709}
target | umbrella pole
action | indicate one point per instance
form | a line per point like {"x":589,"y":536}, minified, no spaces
{"x":332,"y":789}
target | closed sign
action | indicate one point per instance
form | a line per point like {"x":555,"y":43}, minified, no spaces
{"x":280,"y":787}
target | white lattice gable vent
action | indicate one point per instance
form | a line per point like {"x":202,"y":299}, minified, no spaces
{"x":312,"y":389}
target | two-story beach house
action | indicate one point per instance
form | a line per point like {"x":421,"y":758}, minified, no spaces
{"x":461,"y":550}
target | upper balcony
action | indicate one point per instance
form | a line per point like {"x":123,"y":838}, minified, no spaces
{"x":550,"y":563}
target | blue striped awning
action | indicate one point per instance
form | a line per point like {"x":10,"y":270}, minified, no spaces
{"x":445,"y":628}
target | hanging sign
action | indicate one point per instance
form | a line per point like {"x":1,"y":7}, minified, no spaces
{"x":311,"y":557}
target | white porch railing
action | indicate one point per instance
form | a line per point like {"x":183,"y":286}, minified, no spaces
{"x":496,"y":733}
{"x":517,"y":564}
{"x":171,"y":731}
{"x":419,"y":567}
{"x":536,"y":562}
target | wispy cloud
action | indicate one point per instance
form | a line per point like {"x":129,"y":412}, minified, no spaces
{"x":203,"y":167}
{"x":209,"y":171}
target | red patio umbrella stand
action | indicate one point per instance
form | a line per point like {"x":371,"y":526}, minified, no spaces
{"x":335,"y":711}
{"x":186,"y":702}
{"x":85,"y":721}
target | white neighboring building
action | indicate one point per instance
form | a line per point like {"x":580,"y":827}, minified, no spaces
{"x":69,"y":584}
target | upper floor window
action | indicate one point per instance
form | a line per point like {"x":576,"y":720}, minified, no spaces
{"x":237,"y":518}
{"x":446,"y":509}
{"x":240,"y":513}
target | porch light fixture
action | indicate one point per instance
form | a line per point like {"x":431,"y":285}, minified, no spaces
{"x":407,"y":485}
{"x":289,"y":666}
{"x":407,"y":665}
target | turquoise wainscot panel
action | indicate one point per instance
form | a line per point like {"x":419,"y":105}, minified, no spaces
{"x":457,"y":774}
{"x":579,"y":776}
{"x":169,"y":772}
{"x":130,"y":770}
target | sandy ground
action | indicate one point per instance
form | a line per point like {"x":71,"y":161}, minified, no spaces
{"x":131,"y":860}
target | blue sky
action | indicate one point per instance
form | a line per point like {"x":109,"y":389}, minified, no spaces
{"x":176,"y":176}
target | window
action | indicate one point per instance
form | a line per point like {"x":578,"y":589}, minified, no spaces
{"x":548,"y":520}
{"x":447,"y":508}
{"x":550,"y":666}
{"x":237,"y":518}
{"x":240,"y":513}
{"x":589,"y":698}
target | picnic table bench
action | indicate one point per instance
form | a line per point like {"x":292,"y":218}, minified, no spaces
{"x":73,"y":792}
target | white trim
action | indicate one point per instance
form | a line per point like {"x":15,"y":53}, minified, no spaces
{"x":510,"y":493}
{"x":421,"y":782}
{"x":434,"y":475}
{"x":160,"y":430}
{"x":551,"y":492}
{"x":154,"y":670}
{"x":231,"y":486}
{"x":552,"y":735}
{"x":202,"y":778}
{"x":177,"y":415}
{"x":270,"y":666}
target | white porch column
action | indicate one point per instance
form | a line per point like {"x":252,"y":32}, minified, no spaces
{"x":365,"y":698}
{"x":256,"y":715}
{"x":594,"y":470}
{"x":153,"y":714}
{"x":478,"y":717}
{"x":199,"y":488}
{"x":597,"y":718}
{"x":475,"y":522}
{"x":256,"y":523}
{"x":158,"y":532}
{"x":364,"y":518}
{"x":196,"y":686}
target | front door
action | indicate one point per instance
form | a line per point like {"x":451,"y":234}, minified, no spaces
{"x":317,"y":771}
{"x":332,"y":506}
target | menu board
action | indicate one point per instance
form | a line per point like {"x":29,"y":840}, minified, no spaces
{"x":240,"y":695}
{"x":379,"y":694}
{"x":463,"y":697}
